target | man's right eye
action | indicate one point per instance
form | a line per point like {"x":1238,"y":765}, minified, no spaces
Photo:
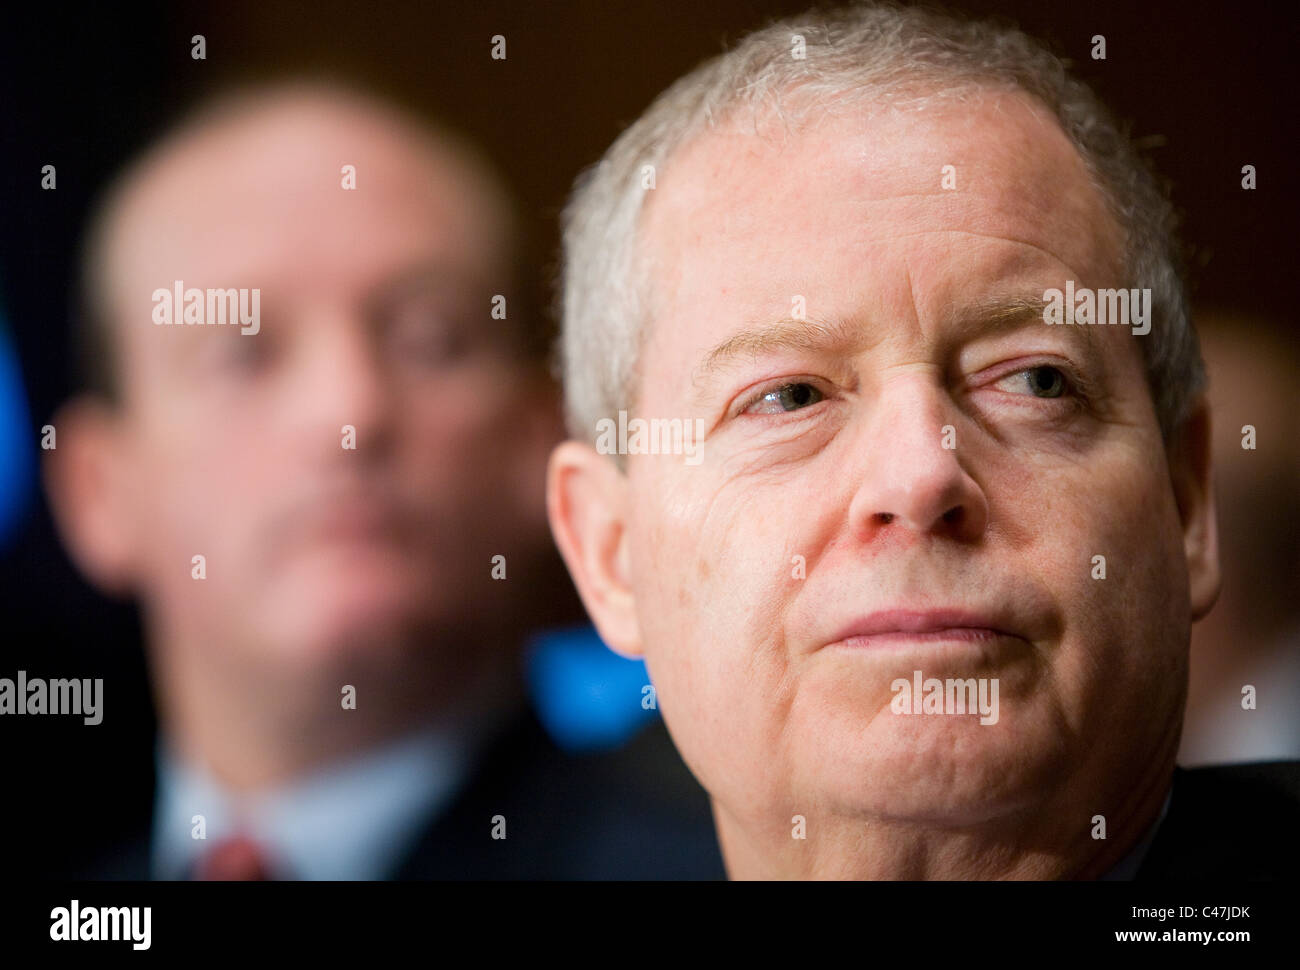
{"x":786,"y":397}
{"x":234,"y":352}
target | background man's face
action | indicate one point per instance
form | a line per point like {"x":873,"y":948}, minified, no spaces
{"x":846,"y":468}
{"x":375,"y":307}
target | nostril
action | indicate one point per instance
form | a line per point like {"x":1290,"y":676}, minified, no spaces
{"x":885,"y":517}
{"x":953,"y":515}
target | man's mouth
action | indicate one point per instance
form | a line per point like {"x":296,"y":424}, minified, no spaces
{"x":343,"y":518}
{"x":908,"y":627}
{"x":352,"y":521}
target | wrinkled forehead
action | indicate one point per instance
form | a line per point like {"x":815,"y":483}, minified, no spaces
{"x":757,"y":192}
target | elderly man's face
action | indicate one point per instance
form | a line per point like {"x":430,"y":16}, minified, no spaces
{"x":909,"y":463}
{"x":375,"y":316}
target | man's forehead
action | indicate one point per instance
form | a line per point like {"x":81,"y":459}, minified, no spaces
{"x":283,"y":160}
{"x":990,"y":161}
{"x":852,"y":218}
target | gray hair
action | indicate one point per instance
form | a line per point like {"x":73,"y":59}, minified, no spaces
{"x":868,"y":50}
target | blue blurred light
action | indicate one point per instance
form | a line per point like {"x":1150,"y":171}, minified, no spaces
{"x":587,"y":697}
{"x":17,"y":448}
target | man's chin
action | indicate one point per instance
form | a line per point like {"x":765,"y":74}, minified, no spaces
{"x":928,"y":771}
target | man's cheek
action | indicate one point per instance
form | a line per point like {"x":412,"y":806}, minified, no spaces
{"x":706,"y":559}
{"x":682,"y":593}
{"x":1122,"y":593}
{"x":712,"y":696}
{"x":211,"y":500}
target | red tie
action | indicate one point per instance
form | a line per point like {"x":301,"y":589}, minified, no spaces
{"x":237,"y":857}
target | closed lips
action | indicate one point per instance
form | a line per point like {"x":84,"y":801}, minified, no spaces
{"x":923,"y":625}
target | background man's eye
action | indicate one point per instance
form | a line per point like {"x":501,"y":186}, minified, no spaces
{"x":1046,"y":381}
{"x":234,"y":352}
{"x":791,"y":397}
{"x":427,"y":336}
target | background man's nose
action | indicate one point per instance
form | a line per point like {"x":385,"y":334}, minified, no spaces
{"x":911,"y":476}
{"x":343,"y":382}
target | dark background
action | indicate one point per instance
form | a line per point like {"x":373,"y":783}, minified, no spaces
{"x":84,"y":89}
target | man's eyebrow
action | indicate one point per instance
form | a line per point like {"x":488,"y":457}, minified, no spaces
{"x":831,"y":337}
{"x":996,"y":315}
{"x":433,"y":274}
{"x":1005,"y":314}
{"x":837,"y":337}
{"x":446,"y":284}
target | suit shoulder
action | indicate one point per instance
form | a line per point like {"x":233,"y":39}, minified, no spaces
{"x":1267,"y":794}
{"x":1230,"y":822}
{"x":626,"y":814}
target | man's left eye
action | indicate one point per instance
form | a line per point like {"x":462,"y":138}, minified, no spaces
{"x":428,"y":338}
{"x":789,"y":397}
{"x":1041,"y":381}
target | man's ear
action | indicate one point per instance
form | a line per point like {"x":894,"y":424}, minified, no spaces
{"x":1191,"y":471}
{"x":587,"y":502}
{"x":87,"y":491}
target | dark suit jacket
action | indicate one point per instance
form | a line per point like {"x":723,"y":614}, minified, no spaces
{"x":635,"y":813}
{"x":1229,"y":822}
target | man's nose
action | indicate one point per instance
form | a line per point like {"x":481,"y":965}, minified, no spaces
{"x":342,"y":388}
{"x":911,"y":476}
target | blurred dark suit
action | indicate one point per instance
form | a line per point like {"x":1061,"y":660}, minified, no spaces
{"x":634,"y":813}
{"x":1229,"y":822}
{"x":627,"y":814}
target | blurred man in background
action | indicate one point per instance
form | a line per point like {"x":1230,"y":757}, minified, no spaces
{"x":1252,"y":636}
{"x":324,"y":484}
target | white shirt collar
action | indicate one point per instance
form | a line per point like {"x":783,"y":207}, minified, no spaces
{"x":352,"y":820}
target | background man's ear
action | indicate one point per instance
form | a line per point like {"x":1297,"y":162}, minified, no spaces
{"x":587,"y":501}
{"x":85,"y":484}
{"x":1191,"y":471}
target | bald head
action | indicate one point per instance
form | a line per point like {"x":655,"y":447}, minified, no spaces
{"x":299,"y":172}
